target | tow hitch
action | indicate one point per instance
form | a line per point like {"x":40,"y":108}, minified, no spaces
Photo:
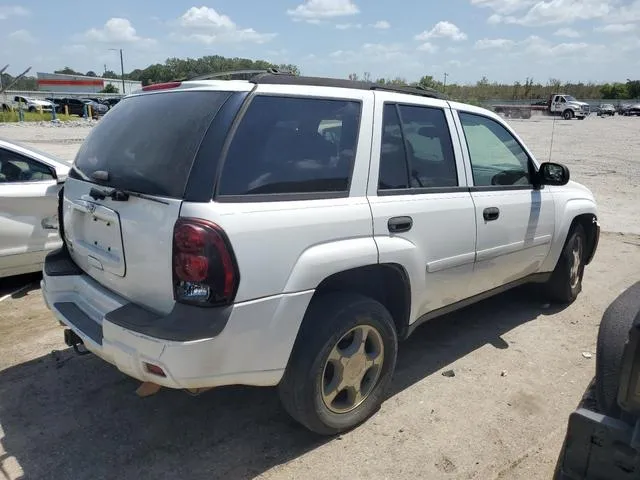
{"x":72,"y":339}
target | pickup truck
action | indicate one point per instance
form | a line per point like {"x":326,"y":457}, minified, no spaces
{"x":291,"y":230}
{"x":558,"y":104}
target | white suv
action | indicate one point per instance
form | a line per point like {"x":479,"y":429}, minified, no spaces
{"x":290,"y":230}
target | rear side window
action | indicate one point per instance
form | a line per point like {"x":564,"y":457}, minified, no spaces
{"x":416,"y":150}
{"x":291,"y":145}
{"x":148,"y":143}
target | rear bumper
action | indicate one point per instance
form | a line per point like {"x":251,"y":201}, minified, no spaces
{"x":248,"y":343}
{"x":597,"y":447}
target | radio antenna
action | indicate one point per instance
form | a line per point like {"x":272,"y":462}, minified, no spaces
{"x":553,"y":131}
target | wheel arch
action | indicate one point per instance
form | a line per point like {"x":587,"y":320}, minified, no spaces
{"x":579,"y":212}
{"x":387,"y":283}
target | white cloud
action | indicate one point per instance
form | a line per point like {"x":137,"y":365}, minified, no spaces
{"x":617,"y":28}
{"x":625,"y":13}
{"x":313,"y":11}
{"x":207,"y":26}
{"x":428,"y":47}
{"x":116,"y":30}
{"x":567,"y":32}
{"x":372,"y":53}
{"x":443,"y":30}
{"x":504,"y":7}
{"x":23,"y":36}
{"x":7,"y":11}
{"x":493,"y":43}
{"x":381,"y":25}
{"x":547,"y":12}
{"x":348,"y":26}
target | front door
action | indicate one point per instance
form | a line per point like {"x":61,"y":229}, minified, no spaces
{"x":515,"y":220}
{"x":423,"y":215}
{"x":28,"y":209}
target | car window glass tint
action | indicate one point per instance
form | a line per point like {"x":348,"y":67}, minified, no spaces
{"x":497,"y":159}
{"x":394,"y":172}
{"x":292,"y":145}
{"x":149,"y":142}
{"x":16,"y":168}
{"x":429,"y":147}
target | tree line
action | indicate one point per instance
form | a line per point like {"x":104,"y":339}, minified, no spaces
{"x":479,"y":92}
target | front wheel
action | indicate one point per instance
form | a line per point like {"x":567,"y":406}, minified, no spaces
{"x":341,"y":364}
{"x":566,"y":280}
{"x":567,"y":114}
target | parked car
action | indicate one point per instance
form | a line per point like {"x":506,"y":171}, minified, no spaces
{"x":111,"y":102}
{"x":631,"y":110}
{"x":290,"y":230}
{"x":606,"y":109}
{"x":29,"y":185}
{"x":603,"y":434}
{"x":28,"y":104}
{"x":97,"y":107}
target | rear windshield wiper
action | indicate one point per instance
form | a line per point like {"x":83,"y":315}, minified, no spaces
{"x":120,"y":195}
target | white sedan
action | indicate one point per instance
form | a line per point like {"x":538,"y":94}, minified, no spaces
{"x":29,"y":184}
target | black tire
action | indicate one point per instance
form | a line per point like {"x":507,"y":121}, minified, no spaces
{"x":559,"y":287}
{"x":328,"y":319}
{"x":620,"y":316}
{"x":567,"y":114}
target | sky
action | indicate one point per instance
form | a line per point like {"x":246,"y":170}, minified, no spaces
{"x":503,"y":40}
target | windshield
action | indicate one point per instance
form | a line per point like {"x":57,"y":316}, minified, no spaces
{"x":147,"y":143}
{"x":570,"y":98}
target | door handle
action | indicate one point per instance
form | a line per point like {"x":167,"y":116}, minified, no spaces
{"x":491,"y":213}
{"x":400,"y":224}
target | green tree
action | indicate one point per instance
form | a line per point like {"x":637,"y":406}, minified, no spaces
{"x":67,"y":71}
{"x":633,"y":89}
{"x":91,"y":73}
{"x":110,"y":74}
{"x":110,"y":88}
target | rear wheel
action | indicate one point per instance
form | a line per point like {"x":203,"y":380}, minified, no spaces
{"x":566,"y":280}
{"x":342,"y":363}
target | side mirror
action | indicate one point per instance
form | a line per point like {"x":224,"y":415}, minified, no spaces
{"x":553,"y":174}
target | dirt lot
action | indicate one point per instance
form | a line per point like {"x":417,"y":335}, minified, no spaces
{"x":520,"y":368}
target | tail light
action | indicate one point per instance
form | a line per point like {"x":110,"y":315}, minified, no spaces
{"x":205,"y":271}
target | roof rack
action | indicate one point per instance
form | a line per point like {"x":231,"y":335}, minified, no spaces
{"x":249,"y":74}
{"x":267,"y":78}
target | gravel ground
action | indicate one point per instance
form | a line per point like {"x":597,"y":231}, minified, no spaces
{"x":519,"y":371}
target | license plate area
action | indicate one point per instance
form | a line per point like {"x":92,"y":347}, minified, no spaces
{"x":94,"y":230}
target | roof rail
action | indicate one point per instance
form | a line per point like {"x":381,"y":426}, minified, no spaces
{"x":268,"y":78}
{"x":249,"y":74}
{"x":411,"y":90}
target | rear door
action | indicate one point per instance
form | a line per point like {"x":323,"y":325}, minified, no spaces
{"x":28,"y":206}
{"x":423,"y":214}
{"x":145,"y":148}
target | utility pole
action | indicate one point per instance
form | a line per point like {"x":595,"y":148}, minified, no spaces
{"x":122,"y":71}
{"x":121,"y":66}
{"x":445,"y":82}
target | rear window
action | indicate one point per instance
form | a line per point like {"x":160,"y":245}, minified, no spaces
{"x":148,"y":143}
{"x":292,"y":145}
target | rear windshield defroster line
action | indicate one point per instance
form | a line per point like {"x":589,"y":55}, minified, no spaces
{"x":148,"y":143}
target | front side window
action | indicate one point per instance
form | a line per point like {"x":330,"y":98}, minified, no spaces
{"x":15,"y":168}
{"x":292,"y":145}
{"x":497,"y":159}
{"x":416,"y":150}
